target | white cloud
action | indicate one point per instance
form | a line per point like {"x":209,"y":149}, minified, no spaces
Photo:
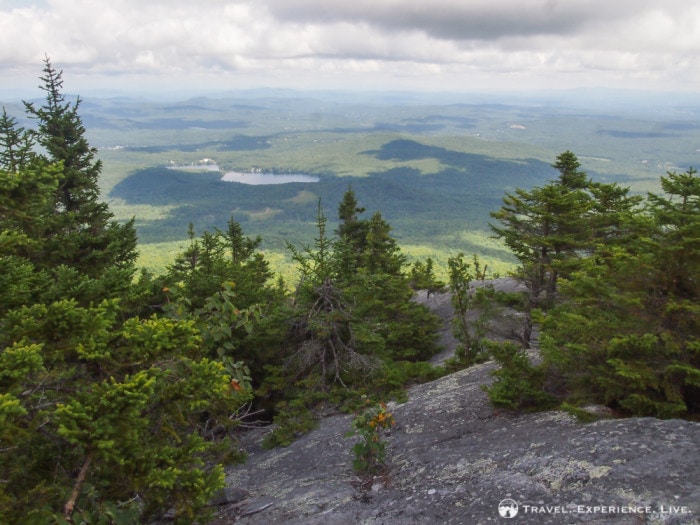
{"x":440,"y":44}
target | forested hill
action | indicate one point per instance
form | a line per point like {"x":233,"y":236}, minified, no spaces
{"x":435,"y":166}
{"x":420,"y":207}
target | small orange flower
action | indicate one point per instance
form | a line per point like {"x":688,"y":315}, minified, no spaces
{"x":166,"y":289}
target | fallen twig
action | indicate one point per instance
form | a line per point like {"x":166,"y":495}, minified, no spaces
{"x":255,"y":511}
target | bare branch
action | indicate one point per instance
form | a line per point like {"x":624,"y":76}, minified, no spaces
{"x":70,"y":504}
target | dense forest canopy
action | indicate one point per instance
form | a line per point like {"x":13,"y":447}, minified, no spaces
{"x":122,"y":391}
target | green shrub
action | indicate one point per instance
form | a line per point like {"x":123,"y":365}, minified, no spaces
{"x":518,"y":383}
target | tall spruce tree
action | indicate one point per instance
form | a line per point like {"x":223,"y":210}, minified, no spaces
{"x":84,"y":235}
{"x":551,"y":228}
{"x":351,"y":227}
{"x":351,"y":235}
{"x":382,"y":253}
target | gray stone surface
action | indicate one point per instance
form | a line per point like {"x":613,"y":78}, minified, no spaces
{"x":452,"y":458}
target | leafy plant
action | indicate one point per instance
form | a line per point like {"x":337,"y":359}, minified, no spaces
{"x":370,"y":424}
{"x":470,"y":334}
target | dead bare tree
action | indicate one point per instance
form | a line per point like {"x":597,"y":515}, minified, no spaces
{"x":326,"y":339}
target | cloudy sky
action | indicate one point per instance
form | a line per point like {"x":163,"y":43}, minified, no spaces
{"x":464,"y":45}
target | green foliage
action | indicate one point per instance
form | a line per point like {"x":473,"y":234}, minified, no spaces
{"x":293,"y":419}
{"x":353,"y":328}
{"x":582,"y":416}
{"x":355,"y":309}
{"x":388,"y":321}
{"x":26,"y":209}
{"x":316,"y":263}
{"x":369,"y":424}
{"x":109,"y":412}
{"x":218,"y":257}
{"x":16,"y":144}
{"x":391,"y":380}
{"x":625,"y":330}
{"x":381,"y":252}
{"x":325,"y":338}
{"x":518,"y":383}
{"x":550,"y":227}
{"x":81,"y":233}
{"x":544,"y":229}
{"x":134,"y":402}
{"x":469,"y":333}
{"x":423,"y":277}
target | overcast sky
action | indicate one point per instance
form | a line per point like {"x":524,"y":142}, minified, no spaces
{"x":136,"y":45}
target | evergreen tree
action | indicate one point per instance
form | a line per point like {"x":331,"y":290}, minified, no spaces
{"x":381,"y":253}
{"x":612,"y":203}
{"x":216,"y":258}
{"x":16,"y":144}
{"x":547,"y":227}
{"x":26,"y":212}
{"x":351,"y":228}
{"x":322,"y":337}
{"x":242,"y":247}
{"x":104,"y":416}
{"x":676,"y":239}
{"x":361,"y":297}
{"x":351,"y":235}
{"x":108,"y":418}
{"x":83,"y":235}
{"x":423,"y":277}
{"x":316,"y":263}
{"x":550,"y":228}
{"x":627,"y":332}
{"x":570,"y":176}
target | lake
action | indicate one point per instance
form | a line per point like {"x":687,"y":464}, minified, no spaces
{"x":258,"y":179}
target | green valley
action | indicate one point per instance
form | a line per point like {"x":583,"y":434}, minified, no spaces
{"x":435,"y":166}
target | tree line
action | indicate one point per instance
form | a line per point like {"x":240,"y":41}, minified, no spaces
{"x":614,"y":282}
{"x":122,"y":391}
